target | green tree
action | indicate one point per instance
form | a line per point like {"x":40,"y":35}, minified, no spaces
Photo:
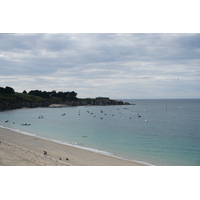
{"x":9,"y":90}
{"x":2,"y":90}
{"x":72,"y":94}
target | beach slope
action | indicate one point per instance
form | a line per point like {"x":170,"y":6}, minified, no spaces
{"x":17,"y":149}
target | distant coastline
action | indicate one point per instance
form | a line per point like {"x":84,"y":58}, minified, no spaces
{"x":9,"y":99}
{"x":11,"y":105}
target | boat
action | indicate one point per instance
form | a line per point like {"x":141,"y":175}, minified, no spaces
{"x":25,"y":124}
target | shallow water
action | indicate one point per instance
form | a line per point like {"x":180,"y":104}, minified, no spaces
{"x":167,"y":133}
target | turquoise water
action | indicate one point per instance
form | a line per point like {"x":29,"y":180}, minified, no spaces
{"x":167,"y":133}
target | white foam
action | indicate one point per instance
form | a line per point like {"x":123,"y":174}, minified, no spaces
{"x":99,"y":152}
{"x":18,"y":131}
{"x":76,"y":146}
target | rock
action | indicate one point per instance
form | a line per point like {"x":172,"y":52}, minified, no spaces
{"x":10,"y":106}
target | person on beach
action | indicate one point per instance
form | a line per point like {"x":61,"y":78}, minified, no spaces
{"x":60,"y":158}
{"x":45,"y":153}
{"x":67,"y":159}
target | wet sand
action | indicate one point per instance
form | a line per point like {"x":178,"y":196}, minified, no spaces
{"x":17,"y":149}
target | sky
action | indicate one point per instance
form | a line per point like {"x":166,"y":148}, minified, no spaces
{"x":115,"y":65}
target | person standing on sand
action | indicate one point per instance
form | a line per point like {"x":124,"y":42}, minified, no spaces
{"x":45,"y":153}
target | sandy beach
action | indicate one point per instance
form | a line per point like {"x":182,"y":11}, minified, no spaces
{"x":17,"y":149}
{"x":57,"y":105}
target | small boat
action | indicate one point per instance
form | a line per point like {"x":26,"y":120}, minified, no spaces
{"x":25,"y":124}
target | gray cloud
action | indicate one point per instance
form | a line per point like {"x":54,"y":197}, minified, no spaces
{"x":115,"y":65}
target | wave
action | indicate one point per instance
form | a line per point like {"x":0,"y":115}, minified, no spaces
{"x":97,"y":151}
{"x":75,"y":145}
{"x":18,"y":131}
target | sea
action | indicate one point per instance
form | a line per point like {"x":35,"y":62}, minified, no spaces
{"x":153,"y":131}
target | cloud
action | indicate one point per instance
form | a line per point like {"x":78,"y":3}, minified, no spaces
{"x":115,"y":65}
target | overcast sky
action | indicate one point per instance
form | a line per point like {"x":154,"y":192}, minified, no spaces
{"x":120,"y":66}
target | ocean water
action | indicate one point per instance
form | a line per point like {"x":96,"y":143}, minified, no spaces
{"x":167,"y":133}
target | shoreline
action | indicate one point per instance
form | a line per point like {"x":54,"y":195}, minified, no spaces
{"x":17,"y":149}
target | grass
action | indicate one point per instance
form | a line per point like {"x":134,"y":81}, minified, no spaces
{"x":19,"y":97}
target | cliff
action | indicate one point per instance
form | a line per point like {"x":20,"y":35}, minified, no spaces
{"x":95,"y":102}
{"x":17,"y":105}
{"x":18,"y":100}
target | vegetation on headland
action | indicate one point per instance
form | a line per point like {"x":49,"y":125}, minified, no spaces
{"x":9,"y":99}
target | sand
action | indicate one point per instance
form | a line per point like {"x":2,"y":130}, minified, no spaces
{"x":57,"y":105}
{"x":17,"y":149}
